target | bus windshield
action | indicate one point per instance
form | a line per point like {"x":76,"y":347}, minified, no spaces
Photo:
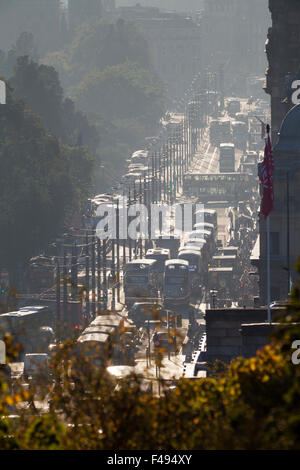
{"x":136,"y":279}
{"x":176,"y":280}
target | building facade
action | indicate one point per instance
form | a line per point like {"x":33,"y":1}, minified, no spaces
{"x":174,"y":42}
{"x":283,"y":53}
{"x":282,"y":48}
{"x":234,"y":34}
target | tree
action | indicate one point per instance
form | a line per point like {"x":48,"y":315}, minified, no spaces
{"x":81,"y":12}
{"x":253,"y":404}
{"x":108,"y":73}
{"x":25,"y":46}
{"x":42,"y":183}
{"x":39,"y":87}
{"x":121,"y":92}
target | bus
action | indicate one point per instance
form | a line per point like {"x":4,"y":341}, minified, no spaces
{"x":207,"y":227}
{"x":170,"y":242}
{"x":108,"y":338}
{"x":207,"y":235}
{"x":240,"y":134}
{"x":207,"y":216}
{"x":227,"y":158}
{"x":198,"y":265}
{"x":140,"y":156}
{"x":160,"y":255}
{"x":176,"y":284}
{"x":219,"y":131}
{"x":228,"y":250}
{"x":221,"y":280}
{"x":233,"y":106}
{"x":140,"y":281}
{"x":224,"y":261}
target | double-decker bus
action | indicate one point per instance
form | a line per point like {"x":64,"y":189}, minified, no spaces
{"x":240,"y":134}
{"x":176,"y":284}
{"x":222,"y":281}
{"x":168,"y":242}
{"x":207,"y":215}
{"x":160,"y":255}
{"x":219,"y":131}
{"x":227,"y":158}
{"x":198,"y":260}
{"x":140,"y":156}
{"x":106,"y":339}
{"x":207,"y":227}
{"x":140,"y":280}
{"x":223,"y":261}
{"x":228,"y":250}
{"x":233,"y":106}
{"x":201,"y":235}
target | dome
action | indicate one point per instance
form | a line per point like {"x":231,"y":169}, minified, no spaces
{"x":289,"y":134}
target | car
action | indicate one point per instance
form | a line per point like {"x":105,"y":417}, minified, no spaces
{"x":278,"y":304}
{"x":36,"y":365}
{"x":163,"y":338}
{"x":144,"y":311}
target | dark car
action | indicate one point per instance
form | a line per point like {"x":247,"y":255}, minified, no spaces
{"x":144,"y":311}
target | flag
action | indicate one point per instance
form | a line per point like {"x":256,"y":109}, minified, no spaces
{"x":266,"y":179}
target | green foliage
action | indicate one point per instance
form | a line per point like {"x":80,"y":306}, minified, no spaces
{"x":253,"y":404}
{"x":107,"y":71}
{"x":45,"y":433}
{"x":42,"y":183}
{"x":25,"y":46}
{"x":121,"y":92}
{"x":103,"y":44}
{"x":39,"y":87}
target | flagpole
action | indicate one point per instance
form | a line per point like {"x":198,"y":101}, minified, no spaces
{"x":268,"y":270}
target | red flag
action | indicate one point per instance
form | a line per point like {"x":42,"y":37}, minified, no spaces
{"x":266,"y":179}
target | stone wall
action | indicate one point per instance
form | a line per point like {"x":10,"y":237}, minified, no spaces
{"x":255,"y":336}
{"x":224,"y":339}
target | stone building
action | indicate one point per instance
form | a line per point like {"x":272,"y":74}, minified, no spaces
{"x":175,"y":44}
{"x":283,"y":53}
{"x":285,"y":219}
{"x":234,"y":34}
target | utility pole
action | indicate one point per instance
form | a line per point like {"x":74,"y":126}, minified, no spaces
{"x":57,"y":316}
{"x":288,"y":231}
{"x":93,"y":278}
{"x":65,"y":288}
{"x":74,"y":272}
{"x":118,"y":250}
{"x":112,"y":275}
{"x":105,"y":294}
{"x":129,"y":238}
{"x":87,"y":280}
{"x":99,"y":293}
